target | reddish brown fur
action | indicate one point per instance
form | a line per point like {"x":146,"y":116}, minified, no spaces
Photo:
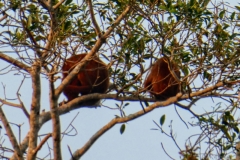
{"x":93,"y":77}
{"x":160,"y":82}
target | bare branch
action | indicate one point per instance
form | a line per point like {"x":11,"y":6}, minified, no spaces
{"x":22,"y":105}
{"x":97,"y":29}
{"x":11,"y":136}
{"x":10,"y":103}
{"x":55,"y":121}
{"x":180,"y":117}
{"x":166,"y":151}
{"x":42,"y":143}
{"x":79,"y":153}
{"x":35,"y":109}
{"x":15,"y":62}
{"x":64,"y":132}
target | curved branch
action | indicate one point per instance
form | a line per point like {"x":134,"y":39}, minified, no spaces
{"x":15,"y":62}
{"x":74,"y":104}
{"x":79,"y":153}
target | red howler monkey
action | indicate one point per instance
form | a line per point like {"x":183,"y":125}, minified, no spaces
{"x":92,"y":78}
{"x":160,"y":81}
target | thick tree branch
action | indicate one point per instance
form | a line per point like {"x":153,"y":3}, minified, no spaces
{"x":79,"y":153}
{"x":35,"y":109}
{"x":56,"y":134}
{"x":11,"y":136}
{"x":15,"y":62}
{"x":24,"y":146}
{"x":81,"y":101}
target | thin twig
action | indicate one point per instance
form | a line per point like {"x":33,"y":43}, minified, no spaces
{"x":70,"y":124}
{"x":166,"y":152}
{"x":96,"y":26}
{"x":42,"y":143}
{"x":180,"y":117}
{"x":22,"y":105}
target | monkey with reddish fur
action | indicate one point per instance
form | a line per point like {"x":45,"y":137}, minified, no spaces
{"x":92,"y":78}
{"x":160,"y":82}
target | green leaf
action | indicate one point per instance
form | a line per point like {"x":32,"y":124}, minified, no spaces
{"x":225,"y":131}
{"x":162,"y":119}
{"x":45,"y":17}
{"x":122,"y":129}
{"x":68,"y":2}
{"x":67,"y":25}
{"x":233,"y":15}
{"x":207,"y":76}
{"x":238,"y":8}
{"x":192,"y":2}
{"x":126,"y":104}
{"x":221,"y":14}
{"x":225,"y":26}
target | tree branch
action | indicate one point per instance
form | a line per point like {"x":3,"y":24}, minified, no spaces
{"x":97,"y":29}
{"x":56,"y":134}
{"x":79,"y":153}
{"x":15,"y":62}
{"x":22,"y":104}
{"x":10,"y":103}
{"x":35,"y":109}
{"x":42,"y":143}
{"x":24,"y":146}
{"x":74,"y":104}
{"x":3,"y":17}
{"x":11,"y":136}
